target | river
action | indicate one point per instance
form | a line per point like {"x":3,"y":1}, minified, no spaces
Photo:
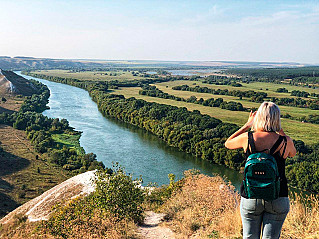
{"x":138,"y":151}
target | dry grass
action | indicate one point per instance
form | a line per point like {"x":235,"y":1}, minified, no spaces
{"x":302,"y":221}
{"x":207,"y":207}
{"x":92,"y":75}
{"x":12,"y":104}
{"x":96,"y":228}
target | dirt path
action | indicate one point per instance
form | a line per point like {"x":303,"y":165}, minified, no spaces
{"x":151,"y":229}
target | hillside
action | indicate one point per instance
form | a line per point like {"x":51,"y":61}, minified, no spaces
{"x":40,"y":207}
{"x":22,"y":63}
{"x":23,"y":173}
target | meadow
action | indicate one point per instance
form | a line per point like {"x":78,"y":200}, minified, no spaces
{"x":71,"y":141}
{"x":119,"y":75}
{"x":293,"y":111}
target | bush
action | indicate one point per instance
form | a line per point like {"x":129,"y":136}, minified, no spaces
{"x":159,"y":195}
{"x":81,"y":219}
{"x":118,"y":194}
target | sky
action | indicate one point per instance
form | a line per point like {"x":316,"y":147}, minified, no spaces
{"x":181,"y":30}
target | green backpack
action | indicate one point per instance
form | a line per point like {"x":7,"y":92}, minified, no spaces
{"x":261,"y":175}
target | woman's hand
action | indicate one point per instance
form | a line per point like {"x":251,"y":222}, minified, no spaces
{"x":251,"y":118}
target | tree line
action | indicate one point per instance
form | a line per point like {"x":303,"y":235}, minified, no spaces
{"x":303,"y":94}
{"x":298,"y":93}
{"x":277,"y":73}
{"x":312,"y":118}
{"x":222,"y":80}
{"x":104,"y":85}
{"x":253,"y":95}
{"x":297,"y":102}
{"x":307,"y":76}
{"x":153,"y":91}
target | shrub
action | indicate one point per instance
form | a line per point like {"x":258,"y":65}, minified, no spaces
{"x":80,"y":219}
{"x":118,"y":194}
{"x":159,"y":195}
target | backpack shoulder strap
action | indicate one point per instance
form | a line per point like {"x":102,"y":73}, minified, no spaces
{"x":277,"y":143}
{"x":251,"y":143}
{"x":283,"y":152}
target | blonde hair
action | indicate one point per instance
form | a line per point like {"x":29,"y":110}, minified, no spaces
{"x":267,"y":118}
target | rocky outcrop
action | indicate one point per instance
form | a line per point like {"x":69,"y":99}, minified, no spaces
{"x":40,"y":207}
{"x":6,"y":86}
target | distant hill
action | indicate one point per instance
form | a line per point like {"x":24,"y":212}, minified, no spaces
{"x":13,"y":84}
{"x":31,"y":63}
{"x":26,"y":63}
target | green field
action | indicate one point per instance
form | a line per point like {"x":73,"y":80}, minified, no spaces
{"x":68,"y":140}
{"x":297,"y":130}
{"x":255,"y":86}
{"x":119,"y":75}
{"x":272,"y":87}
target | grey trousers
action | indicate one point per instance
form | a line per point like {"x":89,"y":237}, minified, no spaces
{"x":263,"y":217}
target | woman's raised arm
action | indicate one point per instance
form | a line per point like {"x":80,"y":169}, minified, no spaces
{"x":238,"y":139}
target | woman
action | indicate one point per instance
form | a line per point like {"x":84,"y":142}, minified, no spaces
{"x":258,"y":215}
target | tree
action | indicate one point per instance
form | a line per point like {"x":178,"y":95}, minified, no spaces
{"x":117,"y":193}
{"x":4,"y":100}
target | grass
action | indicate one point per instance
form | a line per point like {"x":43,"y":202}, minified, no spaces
{"x":255,"y":86}
{"x":295,"y":129}
{"x":73,"y":222}
{"x":68,"y":140}
{"x":293,"y":111}
{"x":12,"y":104}
{"x":207,"y":207}
{"x":92,"y":75}
{"x":274,"y":87}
